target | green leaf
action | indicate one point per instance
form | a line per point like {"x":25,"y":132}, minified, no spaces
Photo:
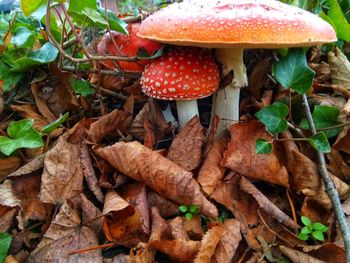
{"x":303,"y":237}
{"x":273,"y":117}
{"x":10,"y":78}
{"x":319,"y":142}
{"x":22,"y":135}
{"x":23,"y":37}
{"x":183,"y":208}
{"x":335,"y":14}
{"x":318,"y":235}
{"x":293,"y":72}
{"x":47,"y":129}
{"x":319,"y":227}
{"x":81,"y":87}
{"x":29,"y":6}
{"x":262,"y":146}
{"x":306,"y":221}
{"x":324,"y":117}
{"x":193,"y":209}
{"x":188,"y":216}
{"x":76,"y":7}
{"x":114,"y":22}
{"x":94,"y":16}
{"x":305,"y":230}
{"x":5,"y":242}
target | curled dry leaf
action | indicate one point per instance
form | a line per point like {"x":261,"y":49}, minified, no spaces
{"x":328,"y":252}
{"x":193,"y":227}
{"x":166,"y":207}
{"x":211,"y":171}
{"x":338,"y":166}
{"x":160,"y":227}
{"x":89,"y":172}
{"x":340,"y":68}
{"x":214,"y":125}
{"x":242,"y":158}
{"x":62,"y":178}
{"x":228,"y":244}
{"x":208,"y":244}
{"x":178,"y":250}
{"x":7,"y":196}
{"x":343,"y":141}
{"x":158,"y":126}
{"x":186,"y":149}
{"x":298,"y":257}
{"x":177,"y":229}
{"x":6,"y":217}
{"x":90,"y":215}
{"x":267,"y":205}
{"x":117,"y":119}
{"x":26,"y":188}
{"x":64,"y":235}
{"x":162,"y":175}
{"x":305,"y":177}
{"x":121,"y":221}
{"x":257,"y":76}
{"x":30,"y":167}
{"x":8,"y":165}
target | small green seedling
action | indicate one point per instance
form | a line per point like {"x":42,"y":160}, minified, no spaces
{"x":189,"y":211}
{"x":315,"y":230}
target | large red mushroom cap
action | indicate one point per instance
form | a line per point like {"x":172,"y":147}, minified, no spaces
{"x":127,"y":45}
{"x":182,"y":73}
{"x":236,"y":23}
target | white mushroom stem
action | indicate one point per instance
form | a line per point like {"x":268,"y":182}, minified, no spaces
{"x":186,"y":110}
{"x":226,"y":101}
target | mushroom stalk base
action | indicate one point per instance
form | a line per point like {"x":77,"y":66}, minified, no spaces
{"x":226,"y":101}
{"x":186,"y":110}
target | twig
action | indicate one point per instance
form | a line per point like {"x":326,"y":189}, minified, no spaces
{"x":105,"y":72}
{"x":78,"y":251}
{"x":291,"y":204}
{"x":297,"y":130}
{"x":329,"y":185}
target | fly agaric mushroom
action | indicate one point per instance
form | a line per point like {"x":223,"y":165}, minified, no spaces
{"x":127,"y":45}
{"x":182,"y":74}
{"x":230,"y":26}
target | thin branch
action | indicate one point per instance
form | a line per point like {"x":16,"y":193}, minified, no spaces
{"x":105,"y":72}
{"x":329,"y":185}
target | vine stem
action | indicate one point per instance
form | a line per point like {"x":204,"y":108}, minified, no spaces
{"x":329,"y":185}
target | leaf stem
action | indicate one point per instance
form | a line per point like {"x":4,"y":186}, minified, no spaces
{"x":329,"y":185}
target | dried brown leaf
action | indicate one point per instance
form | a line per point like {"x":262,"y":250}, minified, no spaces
{"x":168,"y":179}
{"x":242,"y":158}
{"x":30,"y":167}
{"x":62,"y":178}
{"x":166,"y":207}
{"x":117,"y":119}
{"x":178,"y":250}
{"x":328,"y":252}
{"x":256,"y":77}
{"x":228,"y":244}
{"x":157,"y":123}
{"x":160,"y":227}
{"x":90,"y":215}
{"x":214,"y":125}
{"x":340,"y":68}
{"x":298,"y":257}
{"x":338,"y":166}
{"x":267,"y":205}
{"x":208,"y":244}
{"x":26,"y":188}
{"x":193,"y":227}
{"x":177,"y":229}
{"x":343,"y":141}
{"x":7,"y":197}
{"x":186,"y":149}
{"x":211,"y":171}
{"x":143,"y":253}
{"x":89,"y":172}
{"x":8,"y":165}
{"x":121,"y":221}
{"x":7,"y":215}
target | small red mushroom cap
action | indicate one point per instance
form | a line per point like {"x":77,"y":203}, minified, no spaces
{"x":182,"y":73}
{"x":129,"y":46}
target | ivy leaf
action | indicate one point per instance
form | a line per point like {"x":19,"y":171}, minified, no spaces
{"x":273,"y":117}
{"x":318,"y":235}
{"x":306,"y":221}
{"x":183,"y":208}
{"x":23,"y":37}
{"x":324,"y":117}
{"x":319,"y":142}
{"x":47,"y":129}
{"x":22,"y":135}
{"x":262,"y":146}
{"x":335,"y":14}
{"x":319,"y":227}
{"x":94,"y":16}
{"x":76,"y":7}
{"x":29,"y":6}
{"x":81,"y":87}
{"x":10,"y":78}
{"x":5,"y":241}
{"x":114,"y":22}
{"x":293,"y":72}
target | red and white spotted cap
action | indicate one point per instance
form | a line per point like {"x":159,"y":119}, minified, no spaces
{"x":182,"y":73}
{"x":236,"y":23}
